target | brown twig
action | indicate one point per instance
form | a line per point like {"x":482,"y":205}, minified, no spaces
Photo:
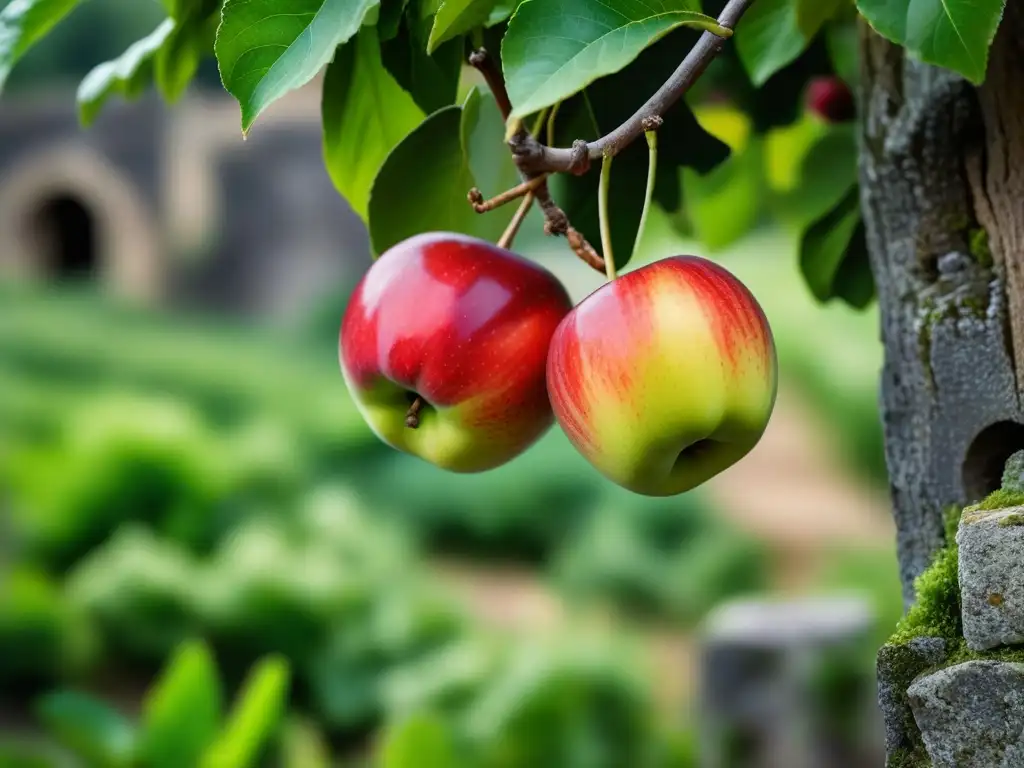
{"x":483,"y":206}
{"x":555,"y":220}
{"x":509,"y":235}
{"x":533,"y":157}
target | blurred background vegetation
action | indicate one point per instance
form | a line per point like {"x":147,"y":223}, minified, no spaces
{"x":207,"y":558}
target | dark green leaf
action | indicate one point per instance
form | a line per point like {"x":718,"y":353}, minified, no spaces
{"x":254,"y":718}
{"x":768,"y":38}
{"x":948,"y":33}
{"x":432,"y":79}
{"x":178,"y":58}
{"x":725,"y":203}
{"x":606,"y":104}
{"x":89,"y":727}
{"x":423,"y":183}
{"x":824,"y":246}
{"x":502,"y":11}
{"x":855,"y":283}
{"x":827,"y":173}
{"x":811,"y":15}
{"x":422,"y":741}
{"x":365,"y":114}
{"x":264,"y":53}
{"x":128,"y":75}
{"x":555,"y":48}
{"x":483,"y":142}
{"x":182,"y":713}
{"x":843,"y":45}
{"x":390,"y":18}
{"x":22,"y":24}
{"x":457,"y":17}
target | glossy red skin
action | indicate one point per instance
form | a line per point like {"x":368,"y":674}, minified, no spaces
{"x":831,"y":99}
{"x":605,"y":352}
{"x":460,"y":322}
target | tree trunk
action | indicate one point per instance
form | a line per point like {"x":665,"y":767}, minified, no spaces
{"x":942,"y":186}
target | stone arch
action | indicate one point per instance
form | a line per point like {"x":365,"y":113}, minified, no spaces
{"x":50,"y":194}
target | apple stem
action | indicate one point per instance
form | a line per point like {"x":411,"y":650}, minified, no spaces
{"x":603,"y":218}
{"x":651,"y":125}
{"x":551,"y":123}
{"x":512,"y":229}
{"x":483,"y":206}
{"x":412,"y":416}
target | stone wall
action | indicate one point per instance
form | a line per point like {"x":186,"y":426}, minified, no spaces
{"x":951,"y":680}
{"x":169,"y":205}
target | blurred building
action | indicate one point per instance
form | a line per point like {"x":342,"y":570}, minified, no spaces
{"x":171,"y":205}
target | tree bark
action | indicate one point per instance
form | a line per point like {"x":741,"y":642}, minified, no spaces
{"x":942,"y":192}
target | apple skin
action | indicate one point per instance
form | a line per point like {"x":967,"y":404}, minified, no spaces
{"x":665,"y":376}
{"x":831,"y":99}
{"x":465,"y":325}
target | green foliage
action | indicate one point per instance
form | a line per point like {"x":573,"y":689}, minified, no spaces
{"x":431,"y":79}
{"x":182,"y":712}
{"x":768,"y":38}
{"x":365,"y":115}
{"x":128,"y":75}
{"x":22,"y":24}
{"x":457,"y":17}
{"x":952,"y":35}
{"x":833,"y":255}
{"x":264,"y":54}
{"x":89,"y":727}
{"x":420,"y":741}
{"x":436,"y":162}
{"x":254,"y":718}
{"x":555,"y":48}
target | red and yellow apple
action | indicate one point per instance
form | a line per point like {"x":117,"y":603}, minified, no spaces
{"x":443,"y":346}
{"x":665,"y":376}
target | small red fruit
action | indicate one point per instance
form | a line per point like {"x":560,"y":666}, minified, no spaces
{"x":831,"y":99}
{"x":443,"y":347}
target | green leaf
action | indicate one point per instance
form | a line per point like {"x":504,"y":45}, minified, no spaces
{"x":457,"y":17}
{"x":22,"y":24}
{"x":178,"y":58}
{"x":768,"y":38}
{"x":421,"y":741}
{"x":502,"y":10}
{"x":128,"y":75}
{"x":390,"y":18}
{"x":824,"y":244}
{"x":483,"y":142}
{"x":841,"y":40}
{"x":89,"y":727}
{"x":948,"y":33}
{"x":365,"y":115}
{"x":423,"y":183}
{"x":555,"y":48}
{"x":182,"y":713}
{"x":264,"y":53}
{"x":432,"y":79}
{"x":254,"y":717}
{"x":827,"y":172}
{"x":811,"y":15}
{"x":725,"y":204}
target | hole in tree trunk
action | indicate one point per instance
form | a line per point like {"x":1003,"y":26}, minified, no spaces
{"x":986,"y":457}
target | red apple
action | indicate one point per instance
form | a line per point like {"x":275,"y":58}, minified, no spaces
{"x":443,"y":347}
{"x":831,"y":99}
{"x":665,"y":376}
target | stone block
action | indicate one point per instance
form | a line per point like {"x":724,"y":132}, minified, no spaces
{"x":972,"y":714}
{"x":789,"y":683}
{"x":991,"y":575}
{"x":897,"y":667}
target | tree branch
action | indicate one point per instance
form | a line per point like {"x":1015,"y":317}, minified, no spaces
{"x":533,"y":158}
